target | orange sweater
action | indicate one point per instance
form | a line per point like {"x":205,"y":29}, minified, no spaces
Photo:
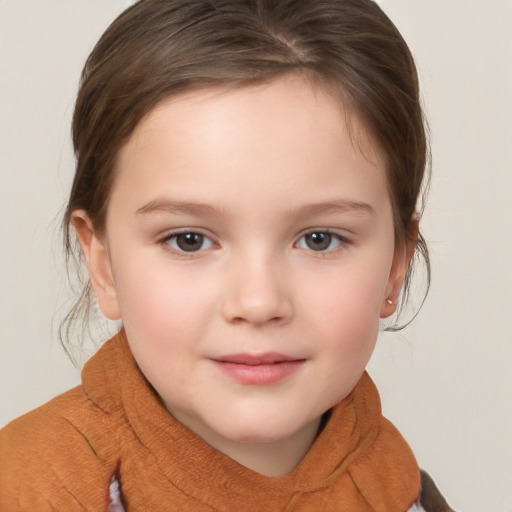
{"x":62,"y":456}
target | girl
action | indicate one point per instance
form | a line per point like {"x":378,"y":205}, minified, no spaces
{"x":245,"y":199}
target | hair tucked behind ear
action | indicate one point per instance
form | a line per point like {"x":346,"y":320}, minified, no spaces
{"x":159,"y":49}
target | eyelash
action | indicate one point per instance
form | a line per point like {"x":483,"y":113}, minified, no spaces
{"x":172,"y":236}
{"x":340,"y":245}
{"x":166,"y":241}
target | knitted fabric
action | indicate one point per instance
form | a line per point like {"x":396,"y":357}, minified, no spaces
{"x":65,"y":455}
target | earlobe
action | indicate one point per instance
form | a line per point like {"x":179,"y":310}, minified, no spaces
{"x":396,"y":278}
{"x":401,"y":259}
{"x":98,"y":264}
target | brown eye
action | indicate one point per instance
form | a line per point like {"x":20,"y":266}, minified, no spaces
{"x":319,"y":241}
{"x":189,"y":242}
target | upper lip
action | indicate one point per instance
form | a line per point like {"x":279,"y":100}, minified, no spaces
{"x":256,"y":359}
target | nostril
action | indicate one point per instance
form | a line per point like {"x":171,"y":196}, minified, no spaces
{"x":255,"y":293}
{"x":274,"y":312}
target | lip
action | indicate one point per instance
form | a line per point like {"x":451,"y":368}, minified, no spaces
{"x":258,"y":369}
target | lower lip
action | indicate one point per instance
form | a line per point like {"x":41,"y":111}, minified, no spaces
{"x":261,"y":374}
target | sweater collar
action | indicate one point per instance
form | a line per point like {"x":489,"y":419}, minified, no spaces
{"x":358,"y":455}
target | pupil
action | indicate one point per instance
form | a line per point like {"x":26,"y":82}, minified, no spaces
{"x":190,"y":242}
{"x":318,"y":241}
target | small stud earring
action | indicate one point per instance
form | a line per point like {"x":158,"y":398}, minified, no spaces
{"x":389,"y":301}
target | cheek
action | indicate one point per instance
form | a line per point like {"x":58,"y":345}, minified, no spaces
{"x":346,"y":311}
{"x":165,"y":313}
{"x":352,"y":290}
{"x":347,"y":342}
{"x":159,"y":300}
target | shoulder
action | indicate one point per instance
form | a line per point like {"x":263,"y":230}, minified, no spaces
{"x":48,"y":456}
{"x":45,"y":431}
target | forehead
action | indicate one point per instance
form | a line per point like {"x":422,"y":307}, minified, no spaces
{"x":291,"y":130}
{"x":295,"y":96}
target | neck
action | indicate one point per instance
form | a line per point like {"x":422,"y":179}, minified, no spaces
{"x":274,"y":458}
{"x":270,"y":458}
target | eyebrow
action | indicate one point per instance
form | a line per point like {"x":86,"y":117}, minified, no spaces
{"x":203,"y":209}
{"x":177,"y":207}
{"x":335,"y":206}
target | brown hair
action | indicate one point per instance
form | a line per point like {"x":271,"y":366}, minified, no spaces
{"x":157,"y":49}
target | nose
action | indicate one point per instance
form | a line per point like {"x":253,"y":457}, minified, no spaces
{"x":257,"y":292}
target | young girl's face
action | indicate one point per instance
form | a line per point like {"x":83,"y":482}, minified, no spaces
{"x":249,"y":251}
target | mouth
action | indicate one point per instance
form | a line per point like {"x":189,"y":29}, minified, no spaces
{"x":258,"y":369}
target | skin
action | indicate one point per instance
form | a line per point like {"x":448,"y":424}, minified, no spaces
{"x":253,"y":170}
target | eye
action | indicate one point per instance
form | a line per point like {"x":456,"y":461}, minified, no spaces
{"x":189,"y":241}
{"x":319,"y":241}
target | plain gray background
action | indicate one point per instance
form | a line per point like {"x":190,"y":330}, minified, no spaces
{"x":446,"y":380}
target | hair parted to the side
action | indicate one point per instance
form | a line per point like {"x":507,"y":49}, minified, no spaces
{"x":158,"y":49}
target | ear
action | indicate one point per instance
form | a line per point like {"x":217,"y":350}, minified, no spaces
{"x":401,"y":259}
{"x":98,"y":264}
